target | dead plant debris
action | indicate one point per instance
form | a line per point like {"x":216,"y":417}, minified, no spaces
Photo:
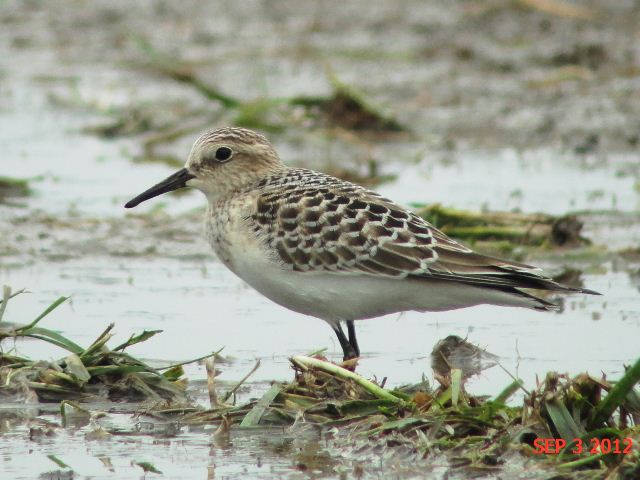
{"x":474,"y":432}
{"x":593,"y":423}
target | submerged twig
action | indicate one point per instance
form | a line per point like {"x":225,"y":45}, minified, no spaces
{"x":210,"y":365}
{"x":186,"y":362}
{"x":239,"y":384}
{"x":516,"y":381}
{"x":170,"y":67}
{"x":6,"y":295}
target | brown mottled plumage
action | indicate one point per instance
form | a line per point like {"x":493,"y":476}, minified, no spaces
{"x":332,"y":249}
{"x":318,"y":222}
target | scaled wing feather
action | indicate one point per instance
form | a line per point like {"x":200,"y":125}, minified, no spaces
{"x":320,"y":223}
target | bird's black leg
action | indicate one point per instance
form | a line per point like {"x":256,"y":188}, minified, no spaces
{"x":351,"y":330}
{"x":348,"y":352}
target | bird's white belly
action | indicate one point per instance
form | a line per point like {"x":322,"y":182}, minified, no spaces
{"x":335,"y":296}
{"x":315,"y":294}
{"x":328,"y":296}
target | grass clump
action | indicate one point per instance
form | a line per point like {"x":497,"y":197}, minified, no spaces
{"x":85,"y":373}
{"x":536,"y":229}
{"x":348,"y":108}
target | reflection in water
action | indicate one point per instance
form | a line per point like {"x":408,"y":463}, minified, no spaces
{"x":455,"y":352}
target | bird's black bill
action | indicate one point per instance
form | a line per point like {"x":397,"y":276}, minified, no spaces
{"x":175,"y":181}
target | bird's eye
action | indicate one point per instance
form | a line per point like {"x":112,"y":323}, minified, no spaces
{"x":223,"y":154}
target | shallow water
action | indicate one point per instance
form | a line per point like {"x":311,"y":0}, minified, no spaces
{"x":179,"y":287}
{"x":178,"y":452}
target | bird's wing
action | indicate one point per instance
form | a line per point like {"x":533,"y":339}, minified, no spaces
{"x":316,"y":222}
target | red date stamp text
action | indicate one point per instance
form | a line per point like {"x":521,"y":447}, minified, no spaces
{"x":593,"y":446}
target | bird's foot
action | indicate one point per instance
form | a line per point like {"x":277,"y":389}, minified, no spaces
{"x":350,"y":363}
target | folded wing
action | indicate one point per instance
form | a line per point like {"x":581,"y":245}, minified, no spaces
{"x":318,"y":223}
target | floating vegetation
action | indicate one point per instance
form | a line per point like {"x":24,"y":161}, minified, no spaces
{"x":13,"y":187}
{"x":536,"y":229}
{"x":345,"y":110}
{"x":346,"y":107}
{"x":184,"y":73}
{"x":125,"y":122}
{"x":92,"y":373}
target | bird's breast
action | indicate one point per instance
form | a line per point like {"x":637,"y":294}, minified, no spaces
{"x":236,"y":244}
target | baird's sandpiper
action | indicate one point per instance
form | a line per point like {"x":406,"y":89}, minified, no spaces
{"x":334,"y":250}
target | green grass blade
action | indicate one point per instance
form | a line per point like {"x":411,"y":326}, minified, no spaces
{"x":252,"y":418}
{"x":444,"y":397}
{"x":46,"y":312}
{"x":58,"y":462}
{"x":512,"y":388}
{"x":66,"y":344}
{"x":400,"y":394}
{"x":53,"y":337}
{"x":99,"y":342}
{"x":70,"y":409}
{"x":127,"y":359}
{"x":456,"y":385}
{"x":145,"y":335}
{"x":359,"y":408}
{"x":582,"y":461}
{"x":148,"y":467}
{"x":306,"y":362}
{"x":562,"y":420}
{"x":173,"y":374}
{"x":616,"y":395}
{"x":397,"y":425}
{"x":6,"y":295}
{"x":56,"y":389}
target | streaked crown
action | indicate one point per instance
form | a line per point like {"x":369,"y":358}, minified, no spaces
{"x":230,"y":158}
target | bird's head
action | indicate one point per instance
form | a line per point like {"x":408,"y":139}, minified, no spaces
{"x":221,"y":161}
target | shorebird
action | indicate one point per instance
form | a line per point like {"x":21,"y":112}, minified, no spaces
{"x":332,"y":249}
